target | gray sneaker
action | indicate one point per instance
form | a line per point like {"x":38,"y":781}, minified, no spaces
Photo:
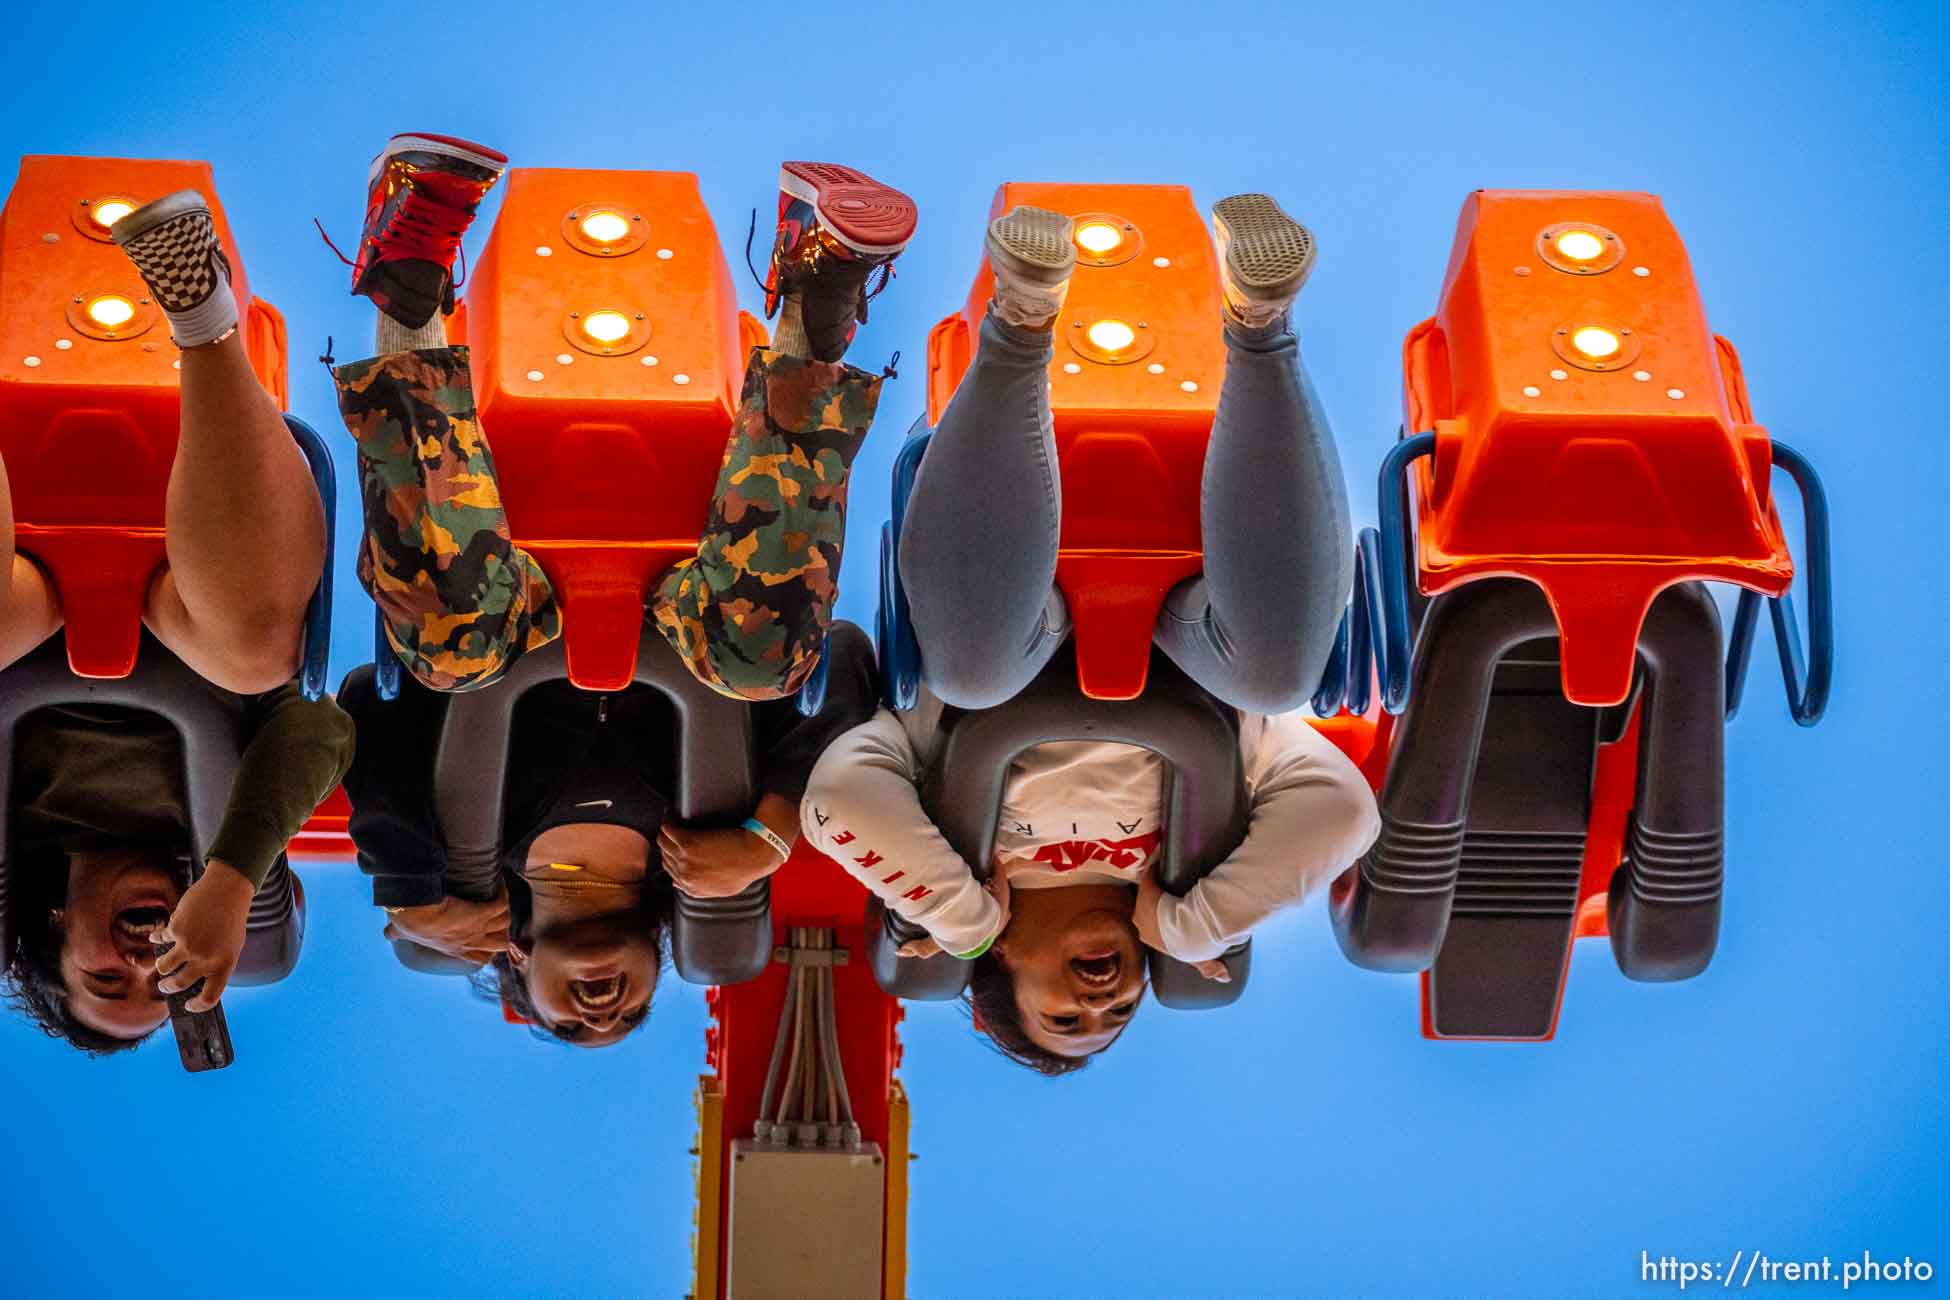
{"x":1032,"y":254}
{"x":1264,"y":256}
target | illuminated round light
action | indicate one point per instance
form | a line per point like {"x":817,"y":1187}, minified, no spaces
{"x":1162,"y":263}
{"x":680,"y":379}
{"x":563,"y":359}
{"x":1560,"y":374}
{"x":1072,"y":368}
{"x":650,"y":361}
{"x":111,"y":311}
{"x":1189,"y":386}
{"x":1098,"y":237}
{"x":604,"y":226}
{"x":109,"y":211}
{"x":606,"y":326}
{"x":1642,"y":376}
{"x":1531,"y":390}
{"x":665,"y":254}
{"x":62,"y":345}
{"x":1580,"y":245}
{"x":1675,"y":393}
{"x":1112,"y":335}
{"x":1595,"y":342}
{"x":1156,"y":367}
{"x":543,"y":250}
{"x":536,"y":376}
{"x":30,"y":361}
{"x":1641,"y":271}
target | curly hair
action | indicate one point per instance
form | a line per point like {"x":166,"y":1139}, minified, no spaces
{"x":504,"y":983}
{"x":31,"y":979}
{"x":991,"y":1003}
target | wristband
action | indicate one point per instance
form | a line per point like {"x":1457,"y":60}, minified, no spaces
{"x":766,"y":833}
{"x":973,"y":953}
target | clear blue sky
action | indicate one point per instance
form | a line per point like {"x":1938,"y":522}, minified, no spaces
{"x":385,"y":1134}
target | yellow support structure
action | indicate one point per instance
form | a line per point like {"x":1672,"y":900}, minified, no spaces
{"x":709,"y":1173}
{"x":894,"y":1253}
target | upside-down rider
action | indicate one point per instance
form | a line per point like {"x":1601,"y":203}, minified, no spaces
{"x":100,"y":864}
{"x":1057,"y":933}
{"x":571,"y":936}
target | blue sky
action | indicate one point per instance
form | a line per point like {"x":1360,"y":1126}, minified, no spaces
{"x":386,"y":1133}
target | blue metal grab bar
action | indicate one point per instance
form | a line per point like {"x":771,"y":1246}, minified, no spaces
{"x":1808,"y":679}
{"x":318,"y":613}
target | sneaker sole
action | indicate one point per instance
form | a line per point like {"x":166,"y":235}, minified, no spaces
{"x":158,"y":212}
{"x":447,"y":146}
{"x":1034,"y":243}
{"x":870,"y":218}
{"x":1268,"y":253}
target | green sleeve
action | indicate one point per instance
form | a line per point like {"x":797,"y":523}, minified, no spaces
{"x":297,"y":753}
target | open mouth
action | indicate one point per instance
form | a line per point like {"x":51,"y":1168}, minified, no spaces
{"x":1098,"y":970}
{"x":600,"y":994}
{"x":139,"y":924}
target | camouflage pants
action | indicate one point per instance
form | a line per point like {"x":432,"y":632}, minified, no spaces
{"x":462,"y":602}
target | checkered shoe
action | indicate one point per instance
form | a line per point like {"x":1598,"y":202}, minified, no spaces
{"x":173,"y":243}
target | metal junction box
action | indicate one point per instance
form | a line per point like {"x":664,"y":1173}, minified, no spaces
{"x":805,"y":1223}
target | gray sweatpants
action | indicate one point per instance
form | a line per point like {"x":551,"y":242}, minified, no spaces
{"x":978,"y":545}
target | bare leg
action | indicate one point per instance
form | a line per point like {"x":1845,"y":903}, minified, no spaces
{"x":29,"y":612}
{"x":245,"y":530}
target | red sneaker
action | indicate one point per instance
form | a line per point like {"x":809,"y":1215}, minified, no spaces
{"x":836,"y":227}
{"x":420,"y":198}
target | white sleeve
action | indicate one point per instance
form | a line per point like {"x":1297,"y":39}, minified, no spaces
{"x":1312,"y":814}
{"x":862,"y":808}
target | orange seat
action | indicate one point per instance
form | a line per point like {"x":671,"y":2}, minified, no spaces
{"x":1604,"y":475}
{"x":608,"y":350}
{"x":1131,"y":424}
{"x":89,"y":412}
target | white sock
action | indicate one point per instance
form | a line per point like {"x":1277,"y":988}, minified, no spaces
{"x":208,"y":321}
{"x":790,"y":336}
{"x":1255,"y":314}
{"x":1027,"y":305}
{"x":390,"y":336}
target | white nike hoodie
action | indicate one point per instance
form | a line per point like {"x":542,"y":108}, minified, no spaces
{"x":1087,"y":812}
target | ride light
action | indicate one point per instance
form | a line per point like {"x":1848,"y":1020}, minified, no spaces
{"x":1580,"y":245}
{"x":93,"y":217}
{"x":1591,"y":346}
{"x":1109,"y":340}
{"x":606,"y":327}
{"x":1104,"y":239}
{"x":110,"y":314}
{"x":604,"y":226}
{"x":111,"y":311}
{"x":1596,"y":342}
{"x":604,"y":332}
{"x":605,"y":229}
{"x":1580,"y":248}
{"x":106,"y":212}
{"x":1098,"y":237}
{"x":1111,"y":335}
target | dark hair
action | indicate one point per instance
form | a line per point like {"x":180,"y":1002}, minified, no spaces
{"x":32,"y":977}
{"x":504,"y":983}
{"x":991,"y":1002}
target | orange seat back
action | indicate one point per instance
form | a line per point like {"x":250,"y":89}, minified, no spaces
{"x":607,"y":453}
{"x":89,"y":414}
{"x":1603,"y":478}
{"x":1131,"y":425}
